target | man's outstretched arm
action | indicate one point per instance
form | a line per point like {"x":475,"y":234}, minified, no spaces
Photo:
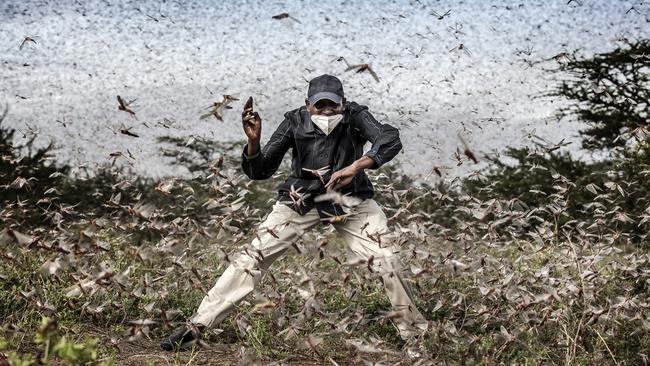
{"x":343,"y":177}
{"x":385,"y":138}
{"x":385,"y":145}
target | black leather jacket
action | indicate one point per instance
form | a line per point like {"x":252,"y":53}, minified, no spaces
{"x":312,"y":149}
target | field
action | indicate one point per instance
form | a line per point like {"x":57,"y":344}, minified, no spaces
{"x":498,"y":281}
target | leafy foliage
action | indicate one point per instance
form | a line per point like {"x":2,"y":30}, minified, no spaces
{"x":610,"y":92}
{"x":54,"y":349}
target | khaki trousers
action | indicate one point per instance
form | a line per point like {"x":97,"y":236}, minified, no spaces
{"x":240,"y":278}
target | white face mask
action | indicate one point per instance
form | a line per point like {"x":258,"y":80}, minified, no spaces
{"x":326,"y":123}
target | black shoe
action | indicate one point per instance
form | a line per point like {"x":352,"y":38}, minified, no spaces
{"x":180,"y":340}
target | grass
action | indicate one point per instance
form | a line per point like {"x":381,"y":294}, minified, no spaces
{"x":478,"y":289}
{"x":476,"y":337}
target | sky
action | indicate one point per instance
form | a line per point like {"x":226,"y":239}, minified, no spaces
{"x":481,"y":71}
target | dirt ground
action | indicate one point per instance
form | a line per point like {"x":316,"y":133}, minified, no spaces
{"x":148,"y":352}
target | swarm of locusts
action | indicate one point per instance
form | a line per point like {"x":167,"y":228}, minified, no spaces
{"x":498,"y":280}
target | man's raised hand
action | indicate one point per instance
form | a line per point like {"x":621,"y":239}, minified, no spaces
{"x":251,"y":122}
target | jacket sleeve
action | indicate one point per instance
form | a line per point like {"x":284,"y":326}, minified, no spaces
{"x":384,"y":137}
{"x":266,"y":161}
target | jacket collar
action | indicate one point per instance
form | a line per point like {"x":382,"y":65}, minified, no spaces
{"x":310,"y":127}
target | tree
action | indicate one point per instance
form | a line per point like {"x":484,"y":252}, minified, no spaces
{"x":26,"y":178}
{"x":609,"y":92}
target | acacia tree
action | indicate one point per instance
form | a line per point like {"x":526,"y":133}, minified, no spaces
{"x":26,"y":174}
{"x":34,"y":186}
{"x":609,"y":92}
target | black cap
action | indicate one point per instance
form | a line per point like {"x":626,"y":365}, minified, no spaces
{"x":325,"y":87}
